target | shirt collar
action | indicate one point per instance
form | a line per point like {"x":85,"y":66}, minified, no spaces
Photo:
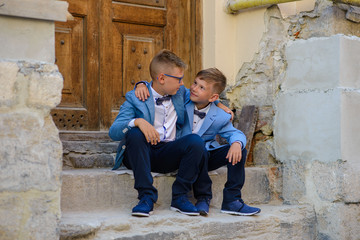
{"x":205,"y":109}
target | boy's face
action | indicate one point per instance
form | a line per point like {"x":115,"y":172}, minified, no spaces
{"x":171,"y":80}
{"x":202,"y":92}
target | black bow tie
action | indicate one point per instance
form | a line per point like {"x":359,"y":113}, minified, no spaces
{"x":160,"y":100}
{"x":200,"y":114}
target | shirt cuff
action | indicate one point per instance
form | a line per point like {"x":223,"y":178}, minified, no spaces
{"x":144,"y":82}
{"x":132,"y":123}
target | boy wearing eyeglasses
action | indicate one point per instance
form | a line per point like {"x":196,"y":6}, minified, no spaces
{"x":205,"y":119}
{"x":150,"y":137}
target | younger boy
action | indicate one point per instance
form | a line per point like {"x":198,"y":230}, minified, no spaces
{"x":207,"y":120}
{"x":150,"y":132}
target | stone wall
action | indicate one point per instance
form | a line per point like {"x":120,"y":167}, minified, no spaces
{"x":30,"y":151}
{"x":30,"y":148}
{"x":328,"y":183}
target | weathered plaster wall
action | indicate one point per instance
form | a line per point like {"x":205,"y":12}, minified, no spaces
{"x":315,"y":111}
{"x":328,"y":179}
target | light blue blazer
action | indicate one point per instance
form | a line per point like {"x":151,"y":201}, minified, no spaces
{"x":135,"y":108}
{"x":216,"y":122}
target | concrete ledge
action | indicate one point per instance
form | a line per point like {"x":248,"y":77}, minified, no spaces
{"x":274,"y":222}
{"x":85,"y":189}
{"x":38,"y":9}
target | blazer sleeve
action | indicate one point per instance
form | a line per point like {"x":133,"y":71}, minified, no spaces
{"x":231,"y":134}
{"x":120,"y":126}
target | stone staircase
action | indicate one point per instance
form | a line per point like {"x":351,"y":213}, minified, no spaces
{"x":96,"y":202}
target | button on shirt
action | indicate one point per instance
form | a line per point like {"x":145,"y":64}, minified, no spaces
{"x":197,"y":121}
{"x":165,"y":119}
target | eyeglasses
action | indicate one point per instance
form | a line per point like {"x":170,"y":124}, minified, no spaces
{"x":179,"y":78}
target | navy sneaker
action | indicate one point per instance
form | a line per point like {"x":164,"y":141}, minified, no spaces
{"x":203,"y":206}
{"x":144,"y":207}
{"x":183,"y":205}
{"x":238,"y":207}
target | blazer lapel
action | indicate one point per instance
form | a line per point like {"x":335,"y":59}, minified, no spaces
{"x":209,"y":119}
{"x":179,"y":108}
{"x":190,"y":113}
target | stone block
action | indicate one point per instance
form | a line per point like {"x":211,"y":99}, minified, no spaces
{"x":328,"y":180}
{"x":307,"y":126}
{"x":349,"y":62}
{"x":294,"y":188}
{"x":45,"y":90}
{"x":30,"y":150}
{"x":339,"y":221}
{"x":350,"y":127}
{"x":303,"y":55}
{"x":265,"y":120}
{"x":274,"y":222}
{"x":8,"y":72}
{"x":335,"y":59}
{"x":351,"y":183}
{"x":27,"y":39}
{"x":91,"y":160}
{"x":102,"y":189}
{"x":24,"y":213}
{"x":89,"y":147}
{"x":263,"y":153}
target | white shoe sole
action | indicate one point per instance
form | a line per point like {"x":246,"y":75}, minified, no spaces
{"x":186,"y":213}
{"x":239,"y":213}
{"x":141,"y":214}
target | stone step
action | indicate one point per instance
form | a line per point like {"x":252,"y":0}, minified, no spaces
{"x":101,"y":189}
{"x":274,"y":222}
{"x":88,"y":149}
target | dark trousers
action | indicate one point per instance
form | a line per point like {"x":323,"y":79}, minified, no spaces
{"x":185,"y":155}
{"x":235,"y":176}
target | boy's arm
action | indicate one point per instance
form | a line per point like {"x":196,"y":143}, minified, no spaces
{"x":152,"y":136}
{"x":120,"y":126}
{"x":141,"y":90}
{"x":226,"y":109}
{"x":236,"y":139}
{"x":142,"y":93}
{"x":235,"y":153}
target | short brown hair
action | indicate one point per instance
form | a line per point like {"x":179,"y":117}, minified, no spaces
{"x":214,"y":76}
{"x":164,"y":59}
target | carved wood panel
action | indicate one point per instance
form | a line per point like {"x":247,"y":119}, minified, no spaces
{"x":76,"y":52}
{"x":107,"y":47}
{"x":69,"y":38}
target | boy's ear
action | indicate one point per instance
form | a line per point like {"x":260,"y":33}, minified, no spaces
{"x":214,"y":97}
{"x":161,"y":78}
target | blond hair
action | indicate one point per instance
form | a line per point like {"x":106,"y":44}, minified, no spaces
{"x":163,"y":60}
{"x":215,"y":76}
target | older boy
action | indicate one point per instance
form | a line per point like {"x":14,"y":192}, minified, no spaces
{"x":150,"y":132}
{"x":207,"y":120}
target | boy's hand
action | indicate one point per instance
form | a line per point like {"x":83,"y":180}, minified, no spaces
{"x":142,"y":92}
{"x":226,"y":109}
{"x":151,"y":135}
{"x":234,"y":154}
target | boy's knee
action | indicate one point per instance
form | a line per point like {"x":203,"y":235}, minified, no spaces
{"x":195,"y":140}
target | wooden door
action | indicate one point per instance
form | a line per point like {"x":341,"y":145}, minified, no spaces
{"x":108,"y":47}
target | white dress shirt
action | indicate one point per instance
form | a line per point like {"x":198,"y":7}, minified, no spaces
{"x":197,"y":121}
{"x":165,"y":119}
